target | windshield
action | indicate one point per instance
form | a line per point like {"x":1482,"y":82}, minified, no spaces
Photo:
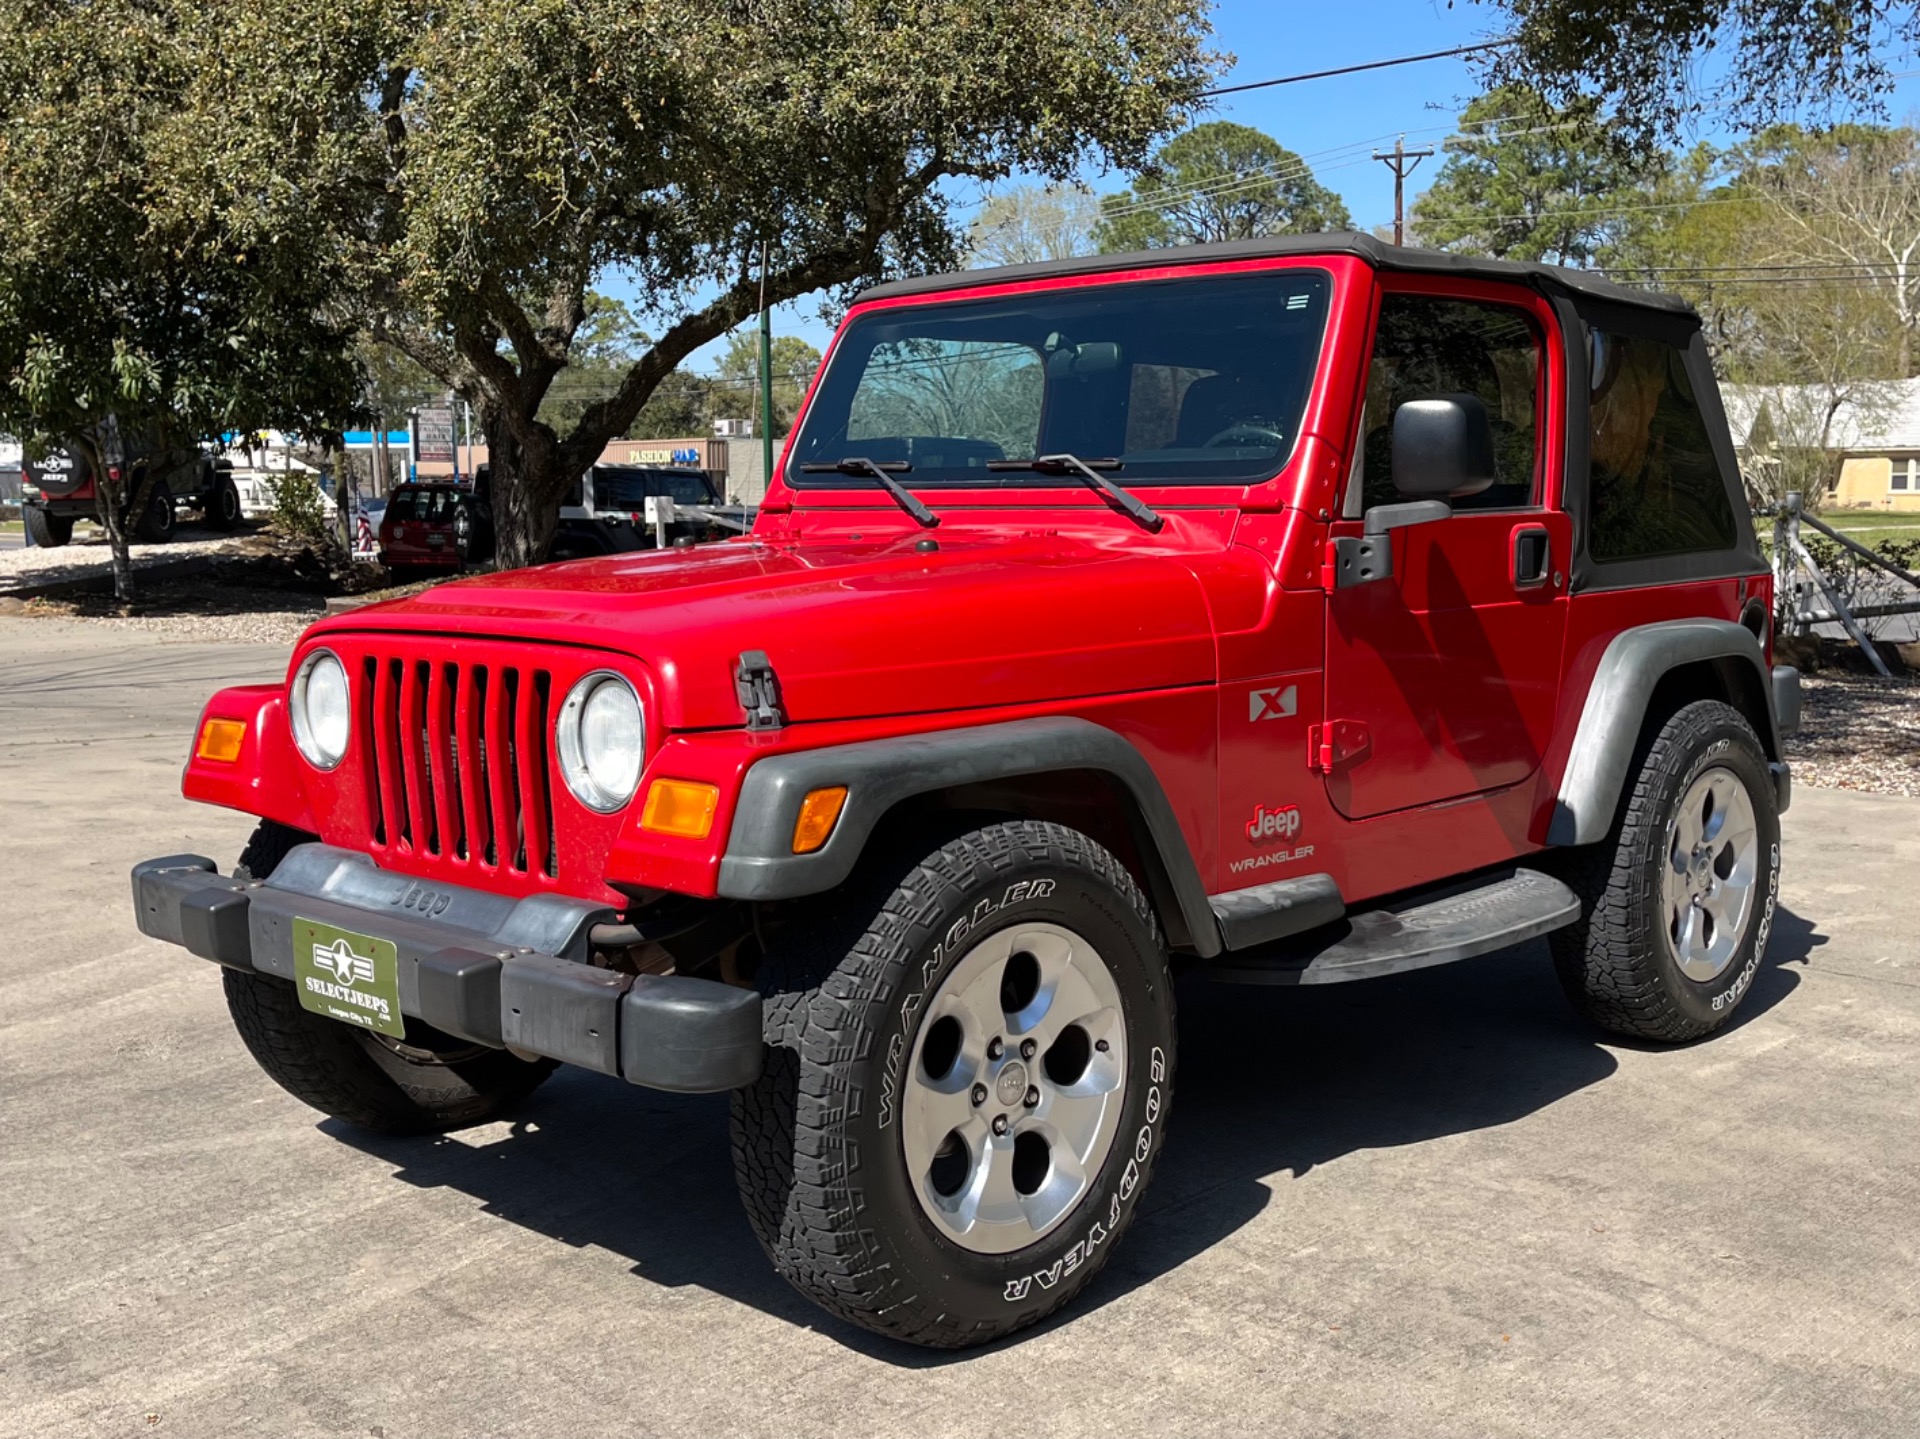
{"x":1190,"y":381}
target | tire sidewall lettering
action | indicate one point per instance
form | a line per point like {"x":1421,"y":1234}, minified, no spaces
{"x":945,"y":950}
{"x":1039,"y":1277}
{"x":1039,"y":1281}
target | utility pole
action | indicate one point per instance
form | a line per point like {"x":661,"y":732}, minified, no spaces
{"x":766,"y":380}
{"x":1396,"y":160}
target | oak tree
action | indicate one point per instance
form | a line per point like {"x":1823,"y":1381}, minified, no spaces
{"x":1527,"y":180}
{"x":1772,"y":59}
{"x":483,"y":161}
{"x":1218,"y":181}
{"x":153,"y":290}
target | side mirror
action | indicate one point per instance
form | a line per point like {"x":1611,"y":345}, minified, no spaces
{"x":1442,"y":447}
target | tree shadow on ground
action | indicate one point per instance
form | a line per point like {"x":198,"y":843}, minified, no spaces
{"x":1270,"y":1081}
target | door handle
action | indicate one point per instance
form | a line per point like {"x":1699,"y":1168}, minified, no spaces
{"x":1532,"y":556}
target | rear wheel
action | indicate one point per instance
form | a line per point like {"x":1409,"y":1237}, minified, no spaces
{"x":46,"y":530}
{"x":223,"y":506}
{"x":968,"y":1083}
{"x":423,"y":1083}
{"x":156,"y":522}
{"x":1679,"y":901}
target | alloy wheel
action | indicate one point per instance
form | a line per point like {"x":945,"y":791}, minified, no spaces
{"x":1016,"y":1088}
{"x":1708,"y":880}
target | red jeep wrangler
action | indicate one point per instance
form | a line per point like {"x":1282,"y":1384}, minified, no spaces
{"x":1291,"y":612}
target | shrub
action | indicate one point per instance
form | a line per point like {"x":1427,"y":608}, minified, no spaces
{"x":301,"y":509}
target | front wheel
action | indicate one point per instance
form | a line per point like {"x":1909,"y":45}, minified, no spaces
{"x":423,"y":1083}
{"x":1678,"y":902}
{"x":969,"y":1080}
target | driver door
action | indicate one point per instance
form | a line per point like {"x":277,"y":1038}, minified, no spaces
{"x":1441,"y":678}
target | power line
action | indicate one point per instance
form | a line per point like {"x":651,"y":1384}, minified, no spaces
{"x":1356,"y":69}
{"x":1227,"y":182}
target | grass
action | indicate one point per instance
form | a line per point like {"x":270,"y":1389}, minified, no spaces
{"x":1856,"y":523}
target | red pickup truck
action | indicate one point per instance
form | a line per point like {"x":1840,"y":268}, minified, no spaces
{"x":1294,"y":611}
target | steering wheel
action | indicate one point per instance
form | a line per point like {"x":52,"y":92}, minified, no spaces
{"x":1246,"y":434}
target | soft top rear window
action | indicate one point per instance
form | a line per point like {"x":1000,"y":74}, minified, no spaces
{"x":1199,"y":380}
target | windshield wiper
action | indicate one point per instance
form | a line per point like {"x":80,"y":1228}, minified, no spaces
{"x":902,"y":496}
{"x":1128,"y":503}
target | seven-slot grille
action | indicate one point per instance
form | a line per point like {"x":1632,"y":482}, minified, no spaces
{"x":456,"y":761}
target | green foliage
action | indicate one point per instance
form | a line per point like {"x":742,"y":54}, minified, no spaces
{"x":1771,"y":57}
{"x":1218,"y":181}
{"x":156,"y":285}
{"x":396,"y":385}
{"x":607,"y":342}
{"x":481,"y":161}
{"x":736,"y":391}
{"x":301,"y":510}
{"x":1782,"y":244}
{"x":679,"y":407}
{"x":1524,"y":180}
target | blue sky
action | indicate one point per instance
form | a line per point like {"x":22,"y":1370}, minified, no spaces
{"x":1335,"y":123}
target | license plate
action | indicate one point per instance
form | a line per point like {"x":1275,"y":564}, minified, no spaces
{"x":354,"y":978}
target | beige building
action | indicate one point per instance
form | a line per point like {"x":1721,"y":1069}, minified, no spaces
{"x":1871,"y":434}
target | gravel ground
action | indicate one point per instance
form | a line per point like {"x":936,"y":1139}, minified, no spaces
{"x":86,"y":558}
{"x":247,"y":616}
{"x":1859,"y":732}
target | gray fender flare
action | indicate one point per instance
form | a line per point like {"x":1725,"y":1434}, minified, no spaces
{"x":759,"y":863}
{"x":1616,"y":705}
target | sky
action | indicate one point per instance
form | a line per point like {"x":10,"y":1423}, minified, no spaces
{"x":1336,"y":123}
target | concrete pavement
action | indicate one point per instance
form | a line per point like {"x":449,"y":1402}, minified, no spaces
{"x":1431,"y":1204}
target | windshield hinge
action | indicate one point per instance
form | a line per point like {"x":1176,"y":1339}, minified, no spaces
{"x":1337,"y":743}
{"x":759,"y":690}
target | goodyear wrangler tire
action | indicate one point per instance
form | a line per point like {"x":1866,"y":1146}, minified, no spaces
{"x":969,"y":1081}
{"x":425,"y":1084}
{"x":1678,"y":902}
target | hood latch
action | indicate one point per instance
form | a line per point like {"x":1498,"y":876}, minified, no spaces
{"x":759,"y":690}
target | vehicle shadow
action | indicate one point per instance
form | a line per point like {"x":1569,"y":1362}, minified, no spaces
{"x":1270,"y":1081}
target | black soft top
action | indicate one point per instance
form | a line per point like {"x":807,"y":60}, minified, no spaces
{"x":1549,"y":279}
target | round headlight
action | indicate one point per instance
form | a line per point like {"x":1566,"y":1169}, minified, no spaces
{"x":321,"y":710}
{"x":602,"y":740}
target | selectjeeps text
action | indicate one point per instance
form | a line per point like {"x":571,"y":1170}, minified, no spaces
{"x":1290,"y":611}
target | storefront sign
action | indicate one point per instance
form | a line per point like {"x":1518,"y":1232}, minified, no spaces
{"x":687,"y":455}
{"x":434,"y":433}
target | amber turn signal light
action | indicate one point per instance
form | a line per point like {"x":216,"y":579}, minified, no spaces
{"x":818,"y":813}
{"x":221,"y":739}
{"x":680,"y":807}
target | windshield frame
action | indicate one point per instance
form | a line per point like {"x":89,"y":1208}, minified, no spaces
{"x":1009,"y":483}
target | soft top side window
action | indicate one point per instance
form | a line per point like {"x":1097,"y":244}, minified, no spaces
{"x":1429,"y":345}
{"x":1653,"y":486}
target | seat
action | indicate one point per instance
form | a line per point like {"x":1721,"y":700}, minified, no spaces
{"x":1219,"y":402}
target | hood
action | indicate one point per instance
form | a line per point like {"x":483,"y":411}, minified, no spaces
{"x":863,"y":627}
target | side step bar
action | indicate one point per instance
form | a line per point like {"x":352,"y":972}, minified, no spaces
{"x":1371,"y":943}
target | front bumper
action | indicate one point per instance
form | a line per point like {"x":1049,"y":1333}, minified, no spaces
{"x":483,"y":967}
